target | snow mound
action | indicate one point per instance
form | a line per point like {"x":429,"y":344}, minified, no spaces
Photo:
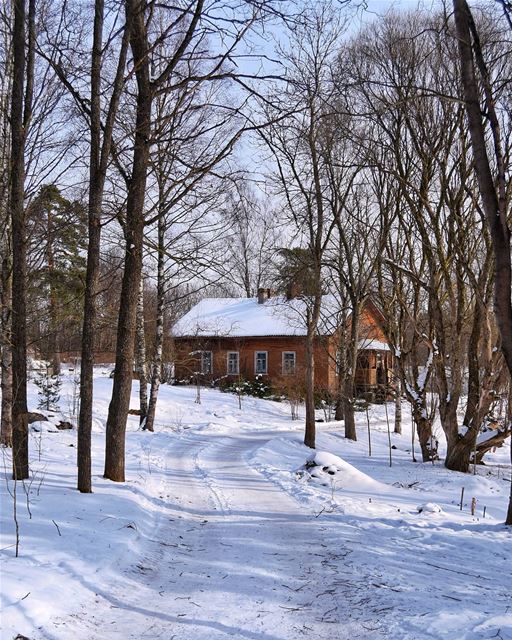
{"x":43,"y":426}
{"x":326,"y":466}
{"x":429,"y":507}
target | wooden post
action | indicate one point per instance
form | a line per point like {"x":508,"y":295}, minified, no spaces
{"x":389,"y":433}
{"x":413,"y":429}
{"x":369,"y":434}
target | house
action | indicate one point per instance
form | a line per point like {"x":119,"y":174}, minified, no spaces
{"x":228,"y":338}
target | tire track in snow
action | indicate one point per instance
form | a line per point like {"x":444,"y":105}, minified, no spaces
{"x":218,"y":499}
{"x":232,"y":555}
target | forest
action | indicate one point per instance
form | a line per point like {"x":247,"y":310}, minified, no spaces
{"x":153,"y":155}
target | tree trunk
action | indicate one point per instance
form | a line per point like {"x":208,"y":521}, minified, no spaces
{"x":338,"y":411}
{"x":140,"y":356}
{"x":341,"y":367}
{"x":156,"y":371}
{"x":349,"y":386}
{"x":96,"y":185}
{"x":459,"y":451}
{"x":88,"y":335}
{"x":53,"y":328}
{"x":19,"y":244}
{"x":134,"y":234}
{"x":310,"y":430}
{"x":493,"y":189}
{"x":349,"y":416}
{"x":99,"y":157}
{"x":458,"y":448}
{"x":424,"y":429}
{"x":5,"y":343}
{"x":398,"y":406}
{"x":508,"y":519}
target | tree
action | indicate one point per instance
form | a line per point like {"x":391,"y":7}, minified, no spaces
{"x":490,"y":169}
{"x":191,"y":28}
{"x":57,"y":233}
{"x":251,"y":241}
{"x":296,"y":140}
{"x":21,"y":107}
{"x":5,"y":233}
{"x":99,"y":112}
{"x":418,"y":136}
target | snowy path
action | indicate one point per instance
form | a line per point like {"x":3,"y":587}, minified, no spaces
{"x":233,"y":556}
{"x":215,"y":535}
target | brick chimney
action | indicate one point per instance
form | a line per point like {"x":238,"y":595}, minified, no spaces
{"x":264,"y":295}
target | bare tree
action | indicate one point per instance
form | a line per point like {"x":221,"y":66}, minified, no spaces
{"x":296,"y":141}
{"x":191,"y":27}
{"x":21,"y":111}
{"x":5,"y":229}
{"x":99,"y":112}
{"x":490,"y":169}
{"x":419,"y":138}
{"x":251,"y":240}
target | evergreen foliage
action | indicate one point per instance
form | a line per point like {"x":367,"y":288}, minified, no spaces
{"x":49,"y":385}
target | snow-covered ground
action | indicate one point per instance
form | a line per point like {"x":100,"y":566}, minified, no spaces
{"x":221,"y":531}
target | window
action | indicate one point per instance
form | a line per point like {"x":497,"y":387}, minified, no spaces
{"x":288,"y":362}
{"x":233,"y":362}
{"x":206,"y":362}
{"x":260,"y":362}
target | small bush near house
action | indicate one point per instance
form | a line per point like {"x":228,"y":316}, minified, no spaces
{"x":259,"y":387}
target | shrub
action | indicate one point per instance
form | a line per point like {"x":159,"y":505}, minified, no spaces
{"x":259,"y":387}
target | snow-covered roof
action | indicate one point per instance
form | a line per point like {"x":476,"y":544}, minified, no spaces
{"x":244,"y":318}
{"x":373,"y":345}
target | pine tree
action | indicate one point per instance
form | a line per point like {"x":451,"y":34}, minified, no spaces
{"x":49,"y":384}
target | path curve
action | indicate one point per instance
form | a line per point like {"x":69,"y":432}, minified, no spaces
{"x":233,"y":557}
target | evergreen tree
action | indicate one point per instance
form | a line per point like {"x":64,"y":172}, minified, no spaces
{"x":58,"y":234}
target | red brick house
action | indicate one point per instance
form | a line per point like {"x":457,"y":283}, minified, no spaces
{"x":223,"y":338}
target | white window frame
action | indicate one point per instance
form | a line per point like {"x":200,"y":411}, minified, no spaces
{"x":233,"y":373}
{"x":262,"y":373}
{"x":203,"y":353}
{"x":294,"y":354}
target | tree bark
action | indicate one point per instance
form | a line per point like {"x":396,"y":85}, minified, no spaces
{"x":140,"y":356}
{"x":398,"y":405}
{"x":459,"y":451}
{"x":156,"y":371}
{"x":424,"y":429}
{"x":349,"y":386}
{"x":495,"y":205}
{"x":338,"y":411}
{"x":310,"y":428}
{"x":98,"y":158}
{"x":134,"y":234}
{"x":6,"y":343}
{"x":19,"y":241}
{"x":53,"y":328}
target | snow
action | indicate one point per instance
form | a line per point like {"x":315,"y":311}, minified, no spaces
{"x":373,"y":345}
{"x":429,"y":507}
{"x":228,"y":526}
{"x":244,"y":317}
